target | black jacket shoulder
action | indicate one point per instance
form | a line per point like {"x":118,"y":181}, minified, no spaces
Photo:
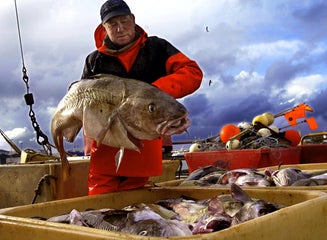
{"x":149,"y":65}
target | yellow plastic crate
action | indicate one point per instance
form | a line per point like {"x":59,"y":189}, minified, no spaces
{"x":18,"y":182}
{"x":303,"y":167}
{"x":304,"y":218}
{"x":169,"y":169}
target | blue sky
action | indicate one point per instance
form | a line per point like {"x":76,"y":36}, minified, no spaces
{"x":260,"y":55}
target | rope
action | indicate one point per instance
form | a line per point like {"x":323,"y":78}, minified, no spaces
{"x":41,"y":138}
{"x":46,"y":178}
{"x":20,"y":38}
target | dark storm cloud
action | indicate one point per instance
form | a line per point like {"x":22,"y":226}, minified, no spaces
{"x":207,"y":118}
{"x":281,"y":72}
{"x":253,"y":53}
{"x":320,"y":107}
{"x":312,"y":12}
{"x":196,"y":104}
{"x":312,"y":15}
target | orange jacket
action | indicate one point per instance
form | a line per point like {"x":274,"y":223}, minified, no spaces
{"x":149,"y":59}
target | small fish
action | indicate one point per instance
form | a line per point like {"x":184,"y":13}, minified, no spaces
{"x":251,"y":208}
{"x":288,"y":176}
{"x":105,"y":219}
{"x":230,"y":204}
{"x":212,"y":178}
{"x":310,"y":182}
{"x":139,"y":220}
{"x":188,"y":210}
{"x":192,"y":183}
{"x":231,"y":176}
{"x":201,"y":172}
{"x":214,"y":220}
{"x":148,"y":223}
{"x":117,"y":112}
{"x":253,"y":180}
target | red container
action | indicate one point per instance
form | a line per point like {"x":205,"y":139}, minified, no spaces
{"x":313,"y":153}
{"x":247,"y":158}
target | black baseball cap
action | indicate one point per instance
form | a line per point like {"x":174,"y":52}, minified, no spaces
{"x":113,"y":8}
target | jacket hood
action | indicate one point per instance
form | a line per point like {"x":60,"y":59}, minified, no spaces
{"x":100,"y":35}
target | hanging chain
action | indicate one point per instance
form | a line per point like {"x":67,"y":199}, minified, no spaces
{"x":41,"y":138}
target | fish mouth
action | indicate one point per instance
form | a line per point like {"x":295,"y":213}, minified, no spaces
{"x":175,"y":126}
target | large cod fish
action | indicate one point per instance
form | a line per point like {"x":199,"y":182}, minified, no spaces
{"x":117,"y":112}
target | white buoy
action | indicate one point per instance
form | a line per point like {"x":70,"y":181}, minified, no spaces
{"x":232,"y":144}
{"x":264,"y":132}
{"x":196,"y":147}
{"x":244,"y":125}
{"x":274,"y":128}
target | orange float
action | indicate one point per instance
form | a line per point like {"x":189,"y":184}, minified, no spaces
{"x":293,"y":136}
{"x":228,"y":131}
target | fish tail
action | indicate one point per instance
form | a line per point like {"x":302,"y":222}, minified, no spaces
{"x":65,"y":169}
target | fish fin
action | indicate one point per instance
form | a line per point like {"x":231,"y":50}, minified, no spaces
{"x":65,"y":167}
{"x":239,"y":194}
{"x":117,"y":135}
{"x":102,"y":134}
{"x":216,"y":206}
{"x":71,"y":133}
{"x":119,"y":157}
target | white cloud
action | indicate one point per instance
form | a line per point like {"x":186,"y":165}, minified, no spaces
{"x":302,"y":88}
{"x":272,"y":50}
{"x":245,"y":39}
{"x":13,"y":135}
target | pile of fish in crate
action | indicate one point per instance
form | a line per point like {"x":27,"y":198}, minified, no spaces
{"x":267,"y":177}
{"x":183,"y":213}
{"x":180,"y":216}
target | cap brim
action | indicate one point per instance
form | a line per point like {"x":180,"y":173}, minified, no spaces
{"x":115,"y":14}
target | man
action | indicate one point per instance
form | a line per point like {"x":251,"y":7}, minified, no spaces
{"x":125,"y":50}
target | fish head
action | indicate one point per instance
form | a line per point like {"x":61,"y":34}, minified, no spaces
{"x":286,"y":176}
{"x":218,"y":222}
{"x":150,"y":113}
{"x":254,"y":209}
{"x":148,"y":223}
{"x":158,"y":228}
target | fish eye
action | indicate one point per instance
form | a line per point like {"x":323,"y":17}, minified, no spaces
{"x":143,"y":233}
{"x":263,"y":212}
{"x":151,"y":107}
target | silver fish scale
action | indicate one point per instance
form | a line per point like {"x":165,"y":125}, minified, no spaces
{"x":96,"y":220}
{"x":85,"y":95}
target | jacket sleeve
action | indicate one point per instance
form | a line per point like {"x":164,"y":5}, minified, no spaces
{"x":183,"y":77}
{"x":89,"y":65}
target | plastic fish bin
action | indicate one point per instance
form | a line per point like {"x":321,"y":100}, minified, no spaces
{"x":309,"y":167}
{"x":169,"y":169}
{"x":303,"y":218}
{"x":247,"y":158}
{"x":303,"y":167}
{"x":313,"y":153}
{"x":20,"y":182}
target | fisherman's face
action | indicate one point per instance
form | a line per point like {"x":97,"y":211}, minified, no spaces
{"x":121,"y":29}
